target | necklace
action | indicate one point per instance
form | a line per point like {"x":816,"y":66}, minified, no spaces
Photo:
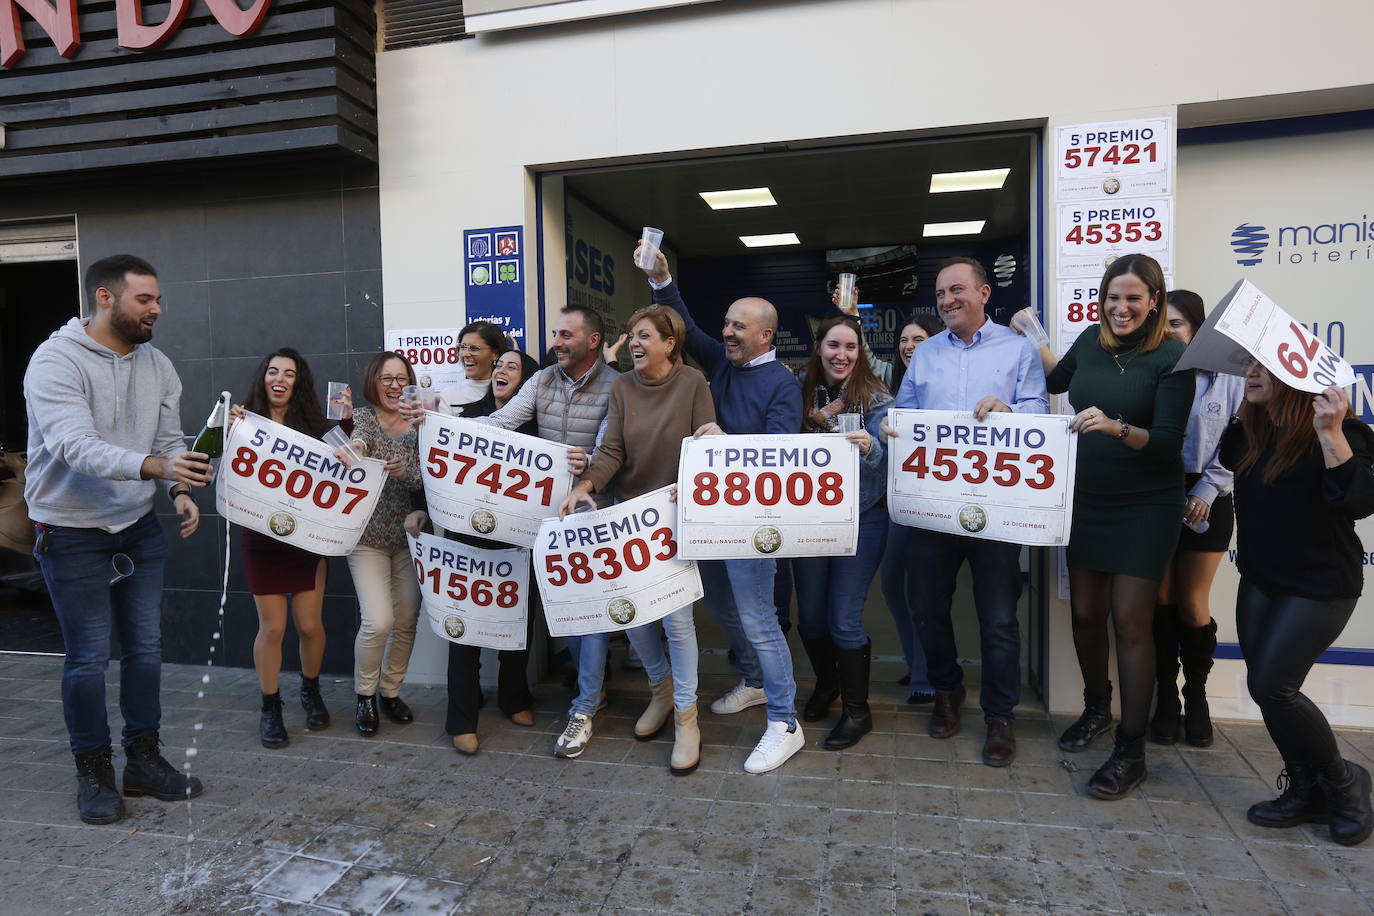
{"x":1132,"y":355}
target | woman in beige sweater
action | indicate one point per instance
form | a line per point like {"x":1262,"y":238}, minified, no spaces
{"x":652,"y":410}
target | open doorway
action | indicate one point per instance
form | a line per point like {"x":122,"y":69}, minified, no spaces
{"x":36,"y":297}
{"x":888,"y":212}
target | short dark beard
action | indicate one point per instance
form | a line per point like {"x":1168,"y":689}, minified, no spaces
{"x":128,"y":329}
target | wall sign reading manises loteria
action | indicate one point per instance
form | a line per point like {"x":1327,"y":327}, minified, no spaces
{"x":768,"y":496}
{"x":58,"y":18}
{"x":472,"y":596}
{"x":615,"y":568}
{"x":288,"y":486}
{"x":1008,"y":478}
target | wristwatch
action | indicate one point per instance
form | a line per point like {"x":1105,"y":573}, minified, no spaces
{"x":178,"y":491}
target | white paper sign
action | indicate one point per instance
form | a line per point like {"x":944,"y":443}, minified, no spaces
{"x":488,"y":481}
{"x":288,"y":486}
{"x":1247,"y":325}
{"x":1008,"y":478}
{"x":433,"y":352}
{"x":1093,"y":233}
{"x":1078,"y":308}
{"x":1114,"y":159}
{"x":768,"y":496}
{"x":615,"y":568}
{"x":472,"y":596}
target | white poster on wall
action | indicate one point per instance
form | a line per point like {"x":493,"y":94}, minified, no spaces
{"x":472,"y":596}
{"x":1093,"y":233}
{"x":433,"y":352}
{"x":1114,"y":159}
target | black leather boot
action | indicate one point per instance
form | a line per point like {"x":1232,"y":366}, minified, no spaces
{"x":855,"y":719}
{"x":397,"y":711}
{"x":1096,"y":719}
{"x":1198,"y":644}
{"x":1300,"y":801}
{"x":316,"y":716}
{"x":366,"y":719}
{"x":1123,"y":771}
{"x":271,"y":729}
{"x":1167,"y":721}
{"x":1352,"y":820}
{"x":97,"y":799}
{"x":147,"y":773}
{"x":822,"y":654}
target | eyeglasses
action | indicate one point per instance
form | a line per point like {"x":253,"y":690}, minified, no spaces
{"x":469,"y":348}
{"x":389,"y":380}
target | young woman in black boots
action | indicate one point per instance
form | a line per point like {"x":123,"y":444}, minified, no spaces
{"x":1183,"y":624}
{"x":1304,"y":471}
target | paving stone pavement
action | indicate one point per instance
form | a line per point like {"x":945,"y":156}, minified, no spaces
{"x":399,"y":823}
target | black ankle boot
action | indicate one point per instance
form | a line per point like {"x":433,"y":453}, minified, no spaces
{"x":1300,"y":801}
{"x":822,"y":654}
{"x":1166,"y":724}
{"x":366,"y":718}
{"x":1096,"y":719}
{"x":1198,"y":644}
{"x":271,"y":729}
{"x":147,"y":773}
{"x":1352,"y":820}
{"x":316,"y":716}
{"x":1123,"y":771}
{"x":396,"y":710}
{"x":97,"y":799}
{"x":855,"y":719}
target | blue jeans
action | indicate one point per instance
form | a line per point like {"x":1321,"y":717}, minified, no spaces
{"x":682,"y":652}
{"x":996,"y":568}
{"x":740,"y":596}
{"x":589,"y":652}
{"x":897,"y":575}
{"x":831,"y":591}
{"x":77,"y":568}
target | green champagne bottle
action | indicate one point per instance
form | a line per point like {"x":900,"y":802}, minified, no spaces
{"x":211,"y":439}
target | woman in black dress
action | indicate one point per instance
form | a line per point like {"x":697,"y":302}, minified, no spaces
{"x":1304,"y":467}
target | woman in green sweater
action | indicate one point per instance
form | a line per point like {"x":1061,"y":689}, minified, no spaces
{"x":652,"y":410}
{"x":1128,"y":500}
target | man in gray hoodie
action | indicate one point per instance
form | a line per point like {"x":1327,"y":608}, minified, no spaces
{"x":104,"y":424}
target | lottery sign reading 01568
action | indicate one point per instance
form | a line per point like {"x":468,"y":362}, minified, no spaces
{"x":753,"y":496}
{"x":488,"y":481}
{"x":288,"y":486}
{"x":615,"y":568}
{"x":472,"y":596}
{"x":1008,"y":478}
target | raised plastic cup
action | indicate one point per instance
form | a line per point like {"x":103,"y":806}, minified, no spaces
{"x":1028,"y":323}
{"x":847,"y":298}
{"x":343,"y":445}
{"x":334,"y":407}
{"x":650,"y":240}
{"x":849,"y":422}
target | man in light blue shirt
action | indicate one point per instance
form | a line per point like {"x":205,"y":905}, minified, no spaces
{"x":978,"y":365}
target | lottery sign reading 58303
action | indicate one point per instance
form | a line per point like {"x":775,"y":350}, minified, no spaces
{"x":1008,"y":478}
{"x":768,"y":496}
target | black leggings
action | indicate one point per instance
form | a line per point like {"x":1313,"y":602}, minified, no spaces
{"x":1130,"y":601}
{"x":1282,"y":636}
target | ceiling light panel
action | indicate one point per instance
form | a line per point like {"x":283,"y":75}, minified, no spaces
{"x":967,"y":227}
{"x":765,"y":241}
{"x":981,"y":180}
{"x":739,"y":199}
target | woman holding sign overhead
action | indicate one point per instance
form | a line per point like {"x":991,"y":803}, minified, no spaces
{"x":843,"y":395}
{"x":1128,"y":499}
{"x":652,"y":410}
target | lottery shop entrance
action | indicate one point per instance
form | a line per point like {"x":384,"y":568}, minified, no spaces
{"x":791,"y":222}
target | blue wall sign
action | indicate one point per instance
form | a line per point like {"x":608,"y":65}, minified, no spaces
{"x":493,"y":269}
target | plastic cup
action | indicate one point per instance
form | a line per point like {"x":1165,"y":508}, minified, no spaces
{"x":343,"y":446}
{"x":849,"y":422}
{"x":121,"y":566}
{"x":1028,"y":323}
{"x":650,"y":240}
{"x":334,"y":407}
{"x":847,"y":298}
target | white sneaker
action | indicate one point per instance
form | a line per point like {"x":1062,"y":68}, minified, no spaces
{"x":740,"y":698}
{"x":574,"y":739}
{"x":773,"y":749}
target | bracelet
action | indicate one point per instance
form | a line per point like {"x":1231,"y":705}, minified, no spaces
{"x":1125,"y":430}
{"x":175,"y":492}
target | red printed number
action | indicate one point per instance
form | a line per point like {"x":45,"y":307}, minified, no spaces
{"x":515,"y":481}
{"x":1293,"y":360}
{"x":767,"y":489}
{"x":299,"y":484}
{"x":610,"y":563}
{"x":1079,"y":311}
{"x":1005,"y":470}
{"x":459,"y":588}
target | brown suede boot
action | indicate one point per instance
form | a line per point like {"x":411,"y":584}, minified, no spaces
{"x":686,"y":742}
{"x":655,"y":715}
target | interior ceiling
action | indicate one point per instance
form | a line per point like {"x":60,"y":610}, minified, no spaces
{"x":843,"y":198}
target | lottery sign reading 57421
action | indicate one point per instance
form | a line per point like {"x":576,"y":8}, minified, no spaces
{"x":1008,"y":478}
{"x":488,"y":481}
{"x":768,"y":496}
{"x":288,"y":486}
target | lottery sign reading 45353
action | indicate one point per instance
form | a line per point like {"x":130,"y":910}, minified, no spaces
{"x":288,"y":486}
{"x":489,"y":481}
{"x":1093,"y":233}
{"x":1008,"y":478}
{"x":472,"y":596}
{"x":768,"y":496}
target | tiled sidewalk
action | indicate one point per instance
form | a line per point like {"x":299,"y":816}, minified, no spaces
{"x":402,"y":824}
